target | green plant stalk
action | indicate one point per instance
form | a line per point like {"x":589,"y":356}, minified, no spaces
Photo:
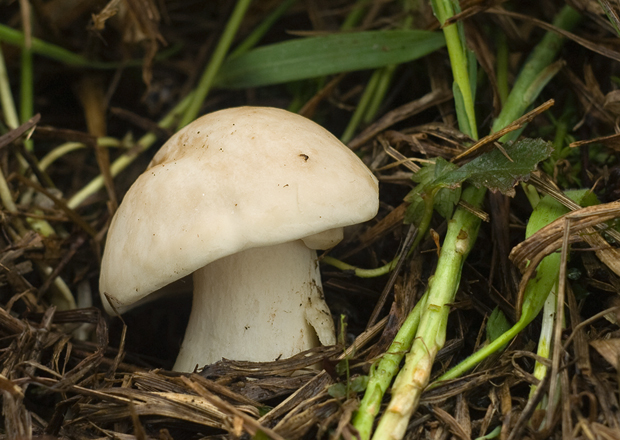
{"x":546,"y":335}
{"x":382,"y":373}
{"x":376,"y":88}
{"x":16,"y":38}
{"x":430,"y":337}
{"x":357,"y":271}
{"x":541,"y":57}
{"x":208,"y":77}
{"x":414,"y":377}
{"x":264,"y":26}
{"x":385,"y":78}
{"x":458,"y":61}
{"x":355,"y":16}
{"x":535,"y":295}
{"x":611,"y":15}
{"x":38,"y":225}
{"x":491,"y":435}
{"x":550,"y":307}
{"x":381,"y":376}
{"x":68,"y":147}
{"x":537,"y":289}
{"x":362,"y":106}
{"x":6,"y":97}
{"x":26,"y":104}
{"x":532,"y":195}
{"x":561,"y":132}
{"x":425,"y":223}
{"x":62,"y":293}
{"x":48,"y":50}
{"x":443,"y":10}
{"x":126,"y":159}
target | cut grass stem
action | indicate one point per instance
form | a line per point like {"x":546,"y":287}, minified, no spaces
{"x":537,"y":290}
{"x":384,"y":370}
{"x":461,"y":234}
{"x":430,"y":336}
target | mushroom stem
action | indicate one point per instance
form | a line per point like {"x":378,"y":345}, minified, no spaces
{"x":260,"y":304}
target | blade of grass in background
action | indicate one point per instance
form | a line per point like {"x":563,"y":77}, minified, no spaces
{"x":6,"y":97}
{"x":15,"y":37}
{"x":325,"y":55}
{"x":463,"y":65}
{"x":62,"y":55}
{"x":377,"y":87}
{"x":208,"y":77}
{"x":264,"y":26}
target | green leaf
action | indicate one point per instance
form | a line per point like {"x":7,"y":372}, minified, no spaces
{"x":495,"y":171}
{"x":445,"y":199}
{"x":548,"y":210}
{"x":497,"y":324}
{"x":325,"y":55}
{"x":359,"y":383}
{"x":339,"y":390}
{"x":461,"y":109}
{"x":260,"y":435}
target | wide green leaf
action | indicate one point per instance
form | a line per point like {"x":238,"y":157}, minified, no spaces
{"x":495,"y":171}
{"x":312,"y":57}
{"x":444,"y":200}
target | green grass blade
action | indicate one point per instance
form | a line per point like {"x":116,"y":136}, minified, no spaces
{"x":57,"y":53}
{"x":325,"y":55}
{"x":382,"y":373}
{"x":43,"y":48}
{"x":430,"y":337}
{"x":542,"y":56}
{"x":462,"y":68}
{"x":210,"y":73}
{"x":260,"y":31}
{"x":6,"y":96}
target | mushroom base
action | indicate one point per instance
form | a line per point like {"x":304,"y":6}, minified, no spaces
{"x":261,"y":304}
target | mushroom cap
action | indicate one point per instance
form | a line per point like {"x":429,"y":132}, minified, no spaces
{"x":232,"y":180}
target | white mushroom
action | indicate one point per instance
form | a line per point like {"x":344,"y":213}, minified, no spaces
{"x":240,"y":198}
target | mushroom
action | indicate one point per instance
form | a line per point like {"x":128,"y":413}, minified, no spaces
{"x":240,"y":198}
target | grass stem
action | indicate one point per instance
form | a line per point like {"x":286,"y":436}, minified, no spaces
{"x":208,"y":76}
